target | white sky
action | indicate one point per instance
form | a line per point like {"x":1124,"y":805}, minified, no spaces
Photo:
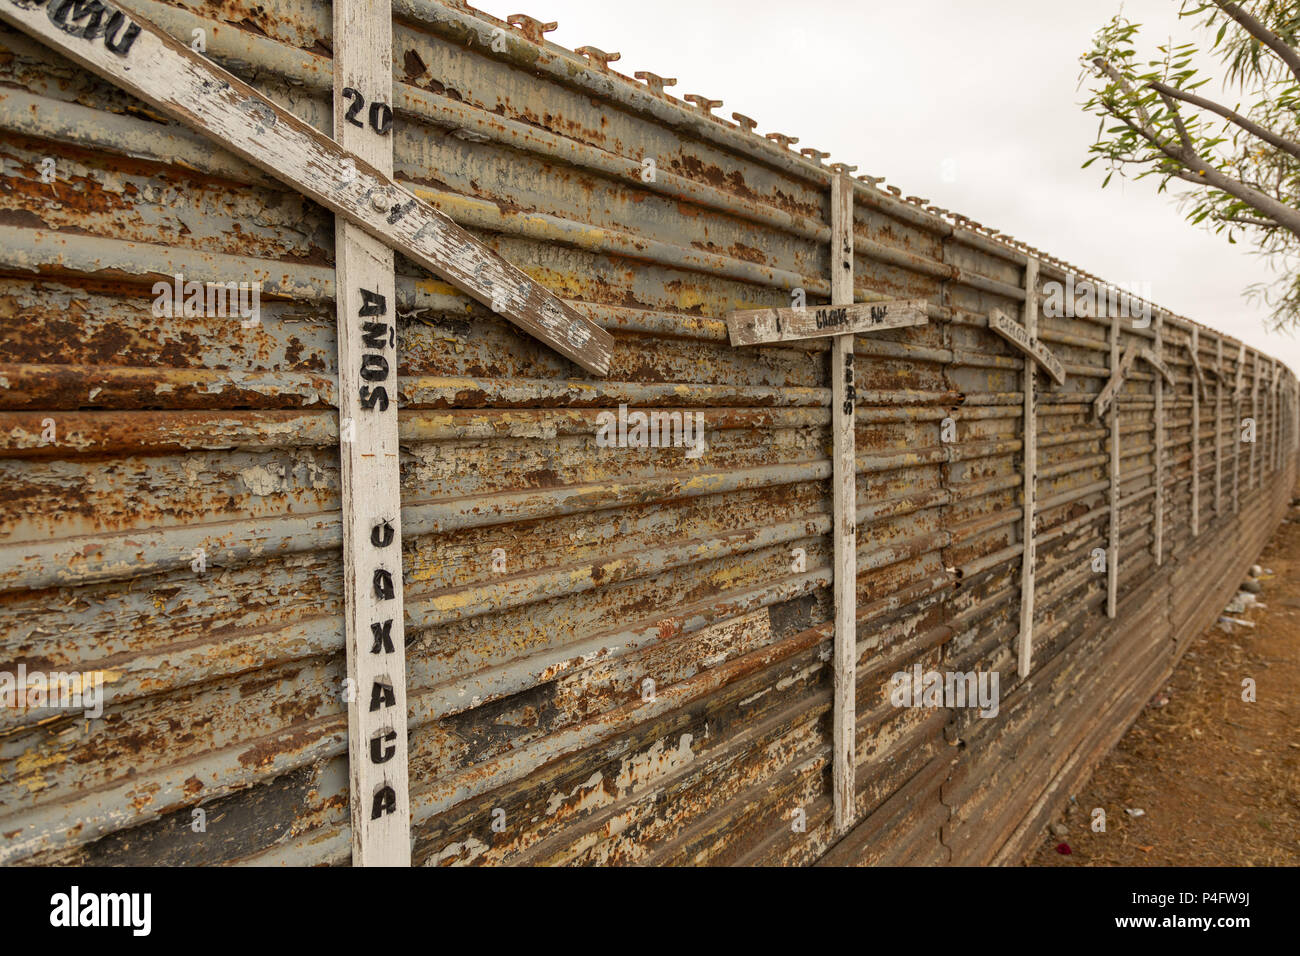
{"x":897,"y":88}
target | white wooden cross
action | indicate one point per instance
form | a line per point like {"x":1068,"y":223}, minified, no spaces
{"x":840,"y":320}
{"x":351,"y":176}
{"x":1036,"y":356}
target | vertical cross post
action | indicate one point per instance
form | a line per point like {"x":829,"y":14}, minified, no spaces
{"x":1236,"y":429}
{"x":1025,"y":648}
{"x":1255,"y":469}
{"x":368,"y":446}
{"x":843,"y":401}
{"x":1159,"y":532}
{"x":1112,"y":564}
{"x":1196,"y":435}
{"x":1218,"y":430}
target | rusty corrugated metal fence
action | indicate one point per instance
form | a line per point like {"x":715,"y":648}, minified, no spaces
{"x":614,"y":655}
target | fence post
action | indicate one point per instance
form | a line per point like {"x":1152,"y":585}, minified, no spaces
{"x":1159,"y":531}
{"x":1218,"y":430}
{"x":1196,"y":435}
{"x":843,"y":401}
{"x":1112,"y":565}
{"x":368,"y":448}
{"x":1030,"y":471}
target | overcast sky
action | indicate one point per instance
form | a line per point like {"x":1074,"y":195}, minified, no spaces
{"x":973,"y":105}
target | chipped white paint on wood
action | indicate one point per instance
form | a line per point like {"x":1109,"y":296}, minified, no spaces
{"x":1112,"y":563}
{"x":1131,"y":355}
{"x":1238,"y":394}
{"x":1254,"y":415}
{"x":1027,"y":342}
{"x":1218,"y":430}
{"x":843,"y":400}
{"x":154,"y":67}
{"x":1119,"y":371}
{"x":1034,"y":352}
{"x":366,"y":299}
{"x":759,"y":326}
{"x":1197,"y":385}
{"x":1156,"y":359}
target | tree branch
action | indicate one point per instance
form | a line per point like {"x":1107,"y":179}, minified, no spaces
{"x":1250,"y":221}
{"x":1268,"y":136}
{"x":1263,"y":34}
{"x":1196,"y":169}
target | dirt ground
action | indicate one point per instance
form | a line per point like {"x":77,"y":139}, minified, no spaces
{"x":1217,"y":778}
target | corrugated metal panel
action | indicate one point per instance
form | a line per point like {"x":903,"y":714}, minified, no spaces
{"x":621,"y":564}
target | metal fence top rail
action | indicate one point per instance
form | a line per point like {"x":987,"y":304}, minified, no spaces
{"x":520,"y":39}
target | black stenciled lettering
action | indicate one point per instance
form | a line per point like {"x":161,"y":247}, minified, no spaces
{"x":120,"y":44}
{"x":381,"y":535}
{"x":358,"y":101}
{"x":399,"y":211}
{"x":377,"y":335}
{"x":385,"y":803}
{"x":372,"y":303}
{"x":381,"y":118}
{"x":383,"y":635}
{"x":374,"y":398}
{"x":374,"y":368}
{"x":382,"y":696}
{"x":90,"y":10}
{"x":379,"y":753}
{"x":383,"y":582}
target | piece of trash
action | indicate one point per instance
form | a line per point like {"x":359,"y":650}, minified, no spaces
{"x":1237,"y":620}
{"x":1238,"y":604}
{"x":1063,"y":849}
{"x":1060,"y":829}
{"x":1255,"y":570}
{"x":1146,"y":849}
{"x":1159,"y":700}
{"x":1134,"y":812}
{"x":1251,"y":585}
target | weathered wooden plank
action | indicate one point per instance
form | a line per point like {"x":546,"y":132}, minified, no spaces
{"x":1197,"y":386}
{"x":147,"y":63}
{"x":1029,"y":467}
{"x":1238,"y":395}
{"x":1218,"y":429}
{"x":1275,"y":441}
{"x":1131,"y":355}
{"x":843,"y":400}
{"x":760,"y":326}
{"x":1155,"y":359}
{"x":1119,"y":371}
{"x":1253,"y":452}
{"x":369,"y":463}
{"x":1200,"y":376}
{"x":1027,"y":341}
{"x":1112,"y":562}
